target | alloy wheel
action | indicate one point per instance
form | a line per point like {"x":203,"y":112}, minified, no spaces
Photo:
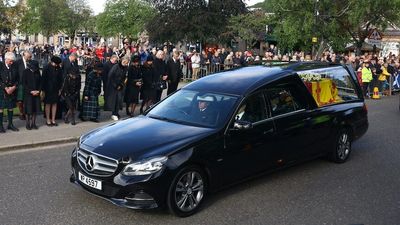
{"x":343,"y":146}
{"x":189,"y":191}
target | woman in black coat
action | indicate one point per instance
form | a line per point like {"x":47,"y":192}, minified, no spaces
{"x":70,"y":92}
{"x":160,"y":68}
{"x":31,"y":81}
{"x":133,"y":85}
{"x":150,"y":81}
{"x":115,"y":87}
{"x":51,"y":84}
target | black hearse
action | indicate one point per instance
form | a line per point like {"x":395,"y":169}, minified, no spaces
{"x":222,"y":129}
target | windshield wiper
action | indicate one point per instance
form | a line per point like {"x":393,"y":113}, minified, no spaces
{"x":161,"y":118}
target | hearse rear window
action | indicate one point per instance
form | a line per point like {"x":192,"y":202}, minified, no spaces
{"x":329,"y":85}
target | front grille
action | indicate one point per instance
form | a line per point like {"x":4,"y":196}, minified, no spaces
{"x":98,"y":165}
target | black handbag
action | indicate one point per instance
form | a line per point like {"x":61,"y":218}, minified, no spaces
{"x":162,"y":84}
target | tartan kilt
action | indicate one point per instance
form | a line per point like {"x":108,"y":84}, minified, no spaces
{"x":7,"y":102}
{"x":90,"y":108}
{"x":20,"y":93}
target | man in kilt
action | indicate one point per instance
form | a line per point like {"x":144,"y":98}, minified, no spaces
{"x":21,"y":65}
{"x":91,"y":92}
{"x":9,"y":81}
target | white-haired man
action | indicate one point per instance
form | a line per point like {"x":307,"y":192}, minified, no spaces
{"x":8,"y":90}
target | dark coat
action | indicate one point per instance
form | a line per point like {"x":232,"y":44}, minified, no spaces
{"x":174,"y":71}
{"x":115,"y":87}
{"x":160,"y":67}
{"x":132,"y":90}
{"x":150,"y":79}
{"x":8,"y":78}
{"x":106,"y":69}
{"x":20,"y":66}
{"x":52,"y":79}
{"x":175,"y":74}
{"x":70,"y":91}
{"x":32,"y":81}
{"x":67,"y":66}
{"x":71,"y":87}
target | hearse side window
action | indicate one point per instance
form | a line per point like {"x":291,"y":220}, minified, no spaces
{"x":253,"y":109}
{"x":329,"y":85}
{"x":285,"y":99}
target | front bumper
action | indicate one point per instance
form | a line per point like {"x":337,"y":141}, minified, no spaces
{"x":145,"y":192}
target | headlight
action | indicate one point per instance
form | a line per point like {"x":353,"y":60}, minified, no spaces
{"x":145,"y":167}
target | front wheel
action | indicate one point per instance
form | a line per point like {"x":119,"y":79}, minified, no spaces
{"x":342,"y":147}
{"x":187,"y":191}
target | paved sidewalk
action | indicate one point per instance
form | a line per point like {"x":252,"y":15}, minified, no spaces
{"x":63,"y":133}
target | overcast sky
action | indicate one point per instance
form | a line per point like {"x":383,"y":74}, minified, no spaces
{"x":98,"y":5}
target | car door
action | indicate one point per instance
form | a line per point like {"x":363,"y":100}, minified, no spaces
{"x":245,"y":150}
{"x":292,"y":117}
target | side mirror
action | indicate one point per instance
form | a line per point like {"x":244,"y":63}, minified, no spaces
{"x":242,"y":125}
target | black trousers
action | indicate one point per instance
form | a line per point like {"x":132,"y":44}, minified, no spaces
{"x":172,"y":87}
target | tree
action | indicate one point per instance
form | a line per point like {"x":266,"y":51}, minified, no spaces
{"x":249,"y":26}
{"x":42,"y":16}
{"x":74,"y":17}
{"x":192,"y":20}
{"x":334,"y":22}
{"x":124,"y":17}
{"x":10,"y":15}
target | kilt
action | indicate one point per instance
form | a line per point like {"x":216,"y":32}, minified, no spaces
{"x":7,"y":102}
{"x":90,"y":108}
{"x":20,"y":93}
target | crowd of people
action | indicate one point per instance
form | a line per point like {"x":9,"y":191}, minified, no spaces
{"x":124,"y":79}
{"x":32,"y":75}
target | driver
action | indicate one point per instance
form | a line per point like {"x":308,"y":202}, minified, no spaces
{"x":203,"y":112}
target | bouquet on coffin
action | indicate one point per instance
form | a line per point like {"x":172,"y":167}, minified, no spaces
{"x":323,"y":89}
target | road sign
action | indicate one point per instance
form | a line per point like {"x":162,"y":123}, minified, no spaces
{"x":374,"y":34}
{"x":314,"y":40}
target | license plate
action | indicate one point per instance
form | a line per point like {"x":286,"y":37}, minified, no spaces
{"x":90,"y":181}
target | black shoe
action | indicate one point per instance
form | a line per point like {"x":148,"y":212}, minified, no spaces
{"x":54,"y":124}
{"x":2,"y":129}
{"x":73,"y":123}
{"x":66,"y":120}
{"x":95,"y":120}
{"x":11,"y":127}
{"x":28,"y":127}
{"x":35,"y":127}
{"x":49,"y":124}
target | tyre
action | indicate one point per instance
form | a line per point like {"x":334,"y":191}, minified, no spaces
{"x":342,"y":147}
{"x":187,"y":191}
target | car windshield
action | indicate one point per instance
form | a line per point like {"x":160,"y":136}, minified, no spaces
{"x":195,"y":108}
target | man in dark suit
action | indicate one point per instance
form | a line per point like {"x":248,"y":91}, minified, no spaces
{"x":174,"y":73}
{"x":204,"y":112}
{"x":21,"y":65}
{"x":70,"y":64}
{"x":9,"y":81}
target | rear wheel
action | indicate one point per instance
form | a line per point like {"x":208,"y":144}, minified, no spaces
{"x":342,"y":147}
{"x":187,"y":191}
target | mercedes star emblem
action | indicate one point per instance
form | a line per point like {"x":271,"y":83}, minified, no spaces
{"x":90,"y":163}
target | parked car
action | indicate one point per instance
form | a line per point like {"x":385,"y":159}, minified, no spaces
{"x":220,"y":130}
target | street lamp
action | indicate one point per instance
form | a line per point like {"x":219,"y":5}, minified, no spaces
{"x":314,"y":38}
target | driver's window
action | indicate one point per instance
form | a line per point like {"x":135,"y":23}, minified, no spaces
{"x":253,"y":109}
